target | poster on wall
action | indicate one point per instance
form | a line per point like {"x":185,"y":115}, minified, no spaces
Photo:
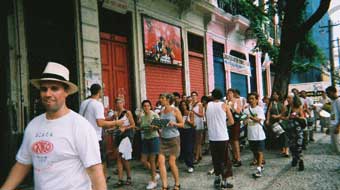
{"x":162,"y":42}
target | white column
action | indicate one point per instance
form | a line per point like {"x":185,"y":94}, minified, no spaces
{"x":140,"y":80}
{"x":269,"y":80}
{"x":259,"y":81}
{"x":186,"y":61}
{"x":90,"y":36}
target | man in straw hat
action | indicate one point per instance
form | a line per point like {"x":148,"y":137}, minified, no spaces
{"x":60,"y":144}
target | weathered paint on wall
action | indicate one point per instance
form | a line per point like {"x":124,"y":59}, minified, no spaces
{"x":90,"y":44}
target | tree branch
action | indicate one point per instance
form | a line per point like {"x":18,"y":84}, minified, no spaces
{"x":318,"y":14}
{"x":300,"y":4}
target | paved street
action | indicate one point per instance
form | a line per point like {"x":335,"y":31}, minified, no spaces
{"x":320,"y":174}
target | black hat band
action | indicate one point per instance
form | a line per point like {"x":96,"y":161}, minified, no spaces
{"x":50,"y":75}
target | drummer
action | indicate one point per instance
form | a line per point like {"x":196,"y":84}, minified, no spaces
{"x":325,"y":110}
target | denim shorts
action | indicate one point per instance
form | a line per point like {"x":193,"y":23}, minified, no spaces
{"x":150,"y":146}
{"x":257,"y":146}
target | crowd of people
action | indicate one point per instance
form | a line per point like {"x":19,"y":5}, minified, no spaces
{"x":67,"y":150}
{"x":289,"y":123}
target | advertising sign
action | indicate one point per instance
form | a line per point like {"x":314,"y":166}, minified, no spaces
{"x":162,"y":42}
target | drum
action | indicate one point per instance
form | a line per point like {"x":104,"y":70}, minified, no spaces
{"x":324,"y":114}
{"x":277,"y":129}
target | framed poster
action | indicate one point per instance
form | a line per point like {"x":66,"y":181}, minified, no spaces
{"x":162,"y":42}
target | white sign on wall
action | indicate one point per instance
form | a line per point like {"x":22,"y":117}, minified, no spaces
{"x":120,"y":6}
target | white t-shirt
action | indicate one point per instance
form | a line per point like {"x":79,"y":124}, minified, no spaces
{"x":60,"y":150}
{"x":336,"y":111}
{"x":94,"y":110}
{"x":309,"y":103}
{"x":255,"y":130}
{"x":217,"y":122}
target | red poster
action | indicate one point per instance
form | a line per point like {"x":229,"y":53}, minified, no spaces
{"x":162,"y":42}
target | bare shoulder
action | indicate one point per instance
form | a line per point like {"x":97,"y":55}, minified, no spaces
{"x":175,"y":110}
{"x":128,"y":112}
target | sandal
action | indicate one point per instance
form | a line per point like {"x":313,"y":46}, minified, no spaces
{"x":165,"y":188}
{"x":128,"y":181}
{"x":120,"y":183}
{"x":177,"y":187}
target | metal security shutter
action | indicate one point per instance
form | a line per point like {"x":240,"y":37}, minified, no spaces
{"x":196,"y":68}
{"x":162,"y":78}
{"x":239,"y":82}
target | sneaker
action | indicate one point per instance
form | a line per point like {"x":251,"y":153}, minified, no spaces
{"x":226,"y":185}
{"x":151,"y":185}
{"x":190,"y":170}
{"x":217,"y":183}
{"x":257,"y":174}
{"x":157,"y":177}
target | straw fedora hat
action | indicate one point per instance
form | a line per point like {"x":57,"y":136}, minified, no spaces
{"x":56,"y":72}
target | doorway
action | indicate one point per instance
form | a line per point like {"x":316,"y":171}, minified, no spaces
{"x":196,"y":63}
{"x":219,"y":70}
{"x":115,"y":40}
{"x":50,"y":33}
{"x":8,"y":146}
{"x":115,"y":68}
{"x":117,"y":73}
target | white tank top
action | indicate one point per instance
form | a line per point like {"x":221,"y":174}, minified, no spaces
{"x":217,"y":122}
{"x":198,"y":120}
{"x":125,"y":120}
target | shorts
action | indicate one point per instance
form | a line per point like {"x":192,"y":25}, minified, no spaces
{"x":235,"y":131}
{"x":257,"y":146}
{"x":150,"y":146}
{"x":171,"y":146}
{"x":102,"y":151}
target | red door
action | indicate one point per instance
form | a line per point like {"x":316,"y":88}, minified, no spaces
{"x":115,"y":68}
{"x":115,"y":76}
{"x":196,"y":68}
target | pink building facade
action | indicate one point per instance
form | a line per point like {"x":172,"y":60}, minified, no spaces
{"x":242,"y":67}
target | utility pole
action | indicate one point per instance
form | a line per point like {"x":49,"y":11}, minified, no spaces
{"x":331,"y":58}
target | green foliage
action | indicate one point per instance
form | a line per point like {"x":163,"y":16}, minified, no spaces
{"x":260,"y":23}
{"x":307,"y":55}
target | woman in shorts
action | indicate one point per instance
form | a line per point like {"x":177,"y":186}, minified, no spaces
{"x":170,"y":140}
